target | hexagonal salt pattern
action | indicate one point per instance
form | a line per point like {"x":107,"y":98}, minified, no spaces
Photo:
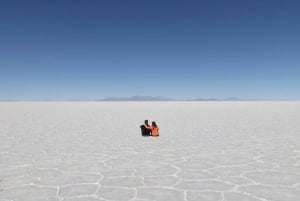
{"x":93,"y":151}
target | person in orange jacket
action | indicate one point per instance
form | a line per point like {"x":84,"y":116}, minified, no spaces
{"x":154,"y":129}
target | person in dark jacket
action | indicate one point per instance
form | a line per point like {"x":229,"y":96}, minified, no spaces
{"x":145,"y":129}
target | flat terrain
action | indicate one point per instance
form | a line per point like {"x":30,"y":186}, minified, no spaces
{"x":93,"y":151}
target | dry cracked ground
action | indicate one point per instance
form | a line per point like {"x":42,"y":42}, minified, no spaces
{"x":93,"y":151}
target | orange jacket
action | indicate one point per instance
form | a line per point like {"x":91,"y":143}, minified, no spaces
{"x":154,"y":130}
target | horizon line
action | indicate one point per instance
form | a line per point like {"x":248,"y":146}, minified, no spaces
{"x":171,"y":100}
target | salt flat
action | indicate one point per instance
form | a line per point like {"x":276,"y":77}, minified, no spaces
{"x":207,"y":151}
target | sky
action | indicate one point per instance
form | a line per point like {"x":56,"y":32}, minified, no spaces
{"x":78,"y":49}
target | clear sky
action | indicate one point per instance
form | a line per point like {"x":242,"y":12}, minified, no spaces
{"x":179,"y":49}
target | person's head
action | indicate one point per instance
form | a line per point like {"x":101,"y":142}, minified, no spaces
{"x":154,"y":124}
{"x":146,"y":122}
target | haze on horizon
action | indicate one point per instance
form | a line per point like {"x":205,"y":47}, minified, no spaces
{"x":79,"y":49}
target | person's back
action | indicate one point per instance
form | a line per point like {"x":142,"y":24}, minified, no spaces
{"x":154,"y":129}
{"x":146,"y":131}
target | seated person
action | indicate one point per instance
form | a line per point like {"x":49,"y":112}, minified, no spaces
{"x":145,"y":131}
{"x":154,"y":129}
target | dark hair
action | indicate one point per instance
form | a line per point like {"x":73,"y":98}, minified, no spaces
{"x":154,"y":124}
{"x":146,"y":122}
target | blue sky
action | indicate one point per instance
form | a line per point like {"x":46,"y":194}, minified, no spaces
{"x":179,"y":49}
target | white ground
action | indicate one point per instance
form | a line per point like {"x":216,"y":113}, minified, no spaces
{"x":207,"y":151}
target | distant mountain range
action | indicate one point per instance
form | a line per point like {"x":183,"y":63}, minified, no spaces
{"x":138,"y":98}
{"x":161,"y":98}
{"x":147,"y":98}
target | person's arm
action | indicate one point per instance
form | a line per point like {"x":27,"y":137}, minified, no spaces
{"x":148,"y":127}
